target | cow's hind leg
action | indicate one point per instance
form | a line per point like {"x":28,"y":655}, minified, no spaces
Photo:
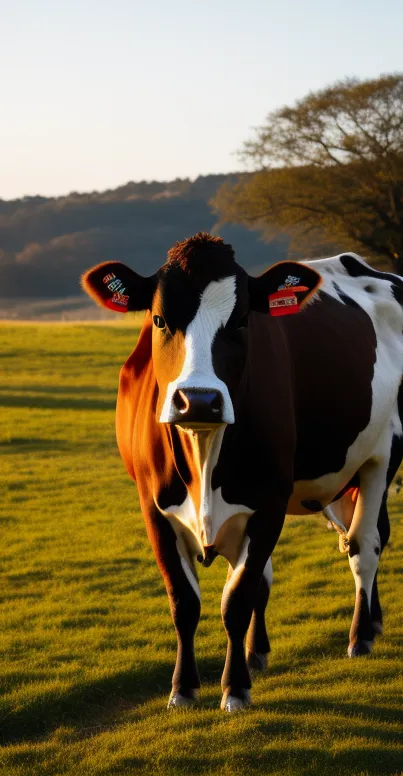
{"x":364,"y":551}
{"x":257,"y":640}
{"x":396,"y":455}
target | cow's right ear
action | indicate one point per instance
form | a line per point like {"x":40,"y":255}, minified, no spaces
{"x":119,"y":288}
{"x":284,"y":288}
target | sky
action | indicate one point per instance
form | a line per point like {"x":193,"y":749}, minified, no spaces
{"x":94,"y":93}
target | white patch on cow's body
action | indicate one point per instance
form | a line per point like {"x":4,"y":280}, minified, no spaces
{"x":205,"y":523}
{"x":330,"y":514}
{"x":191,"y":577}
{"x":387,"y":317}
{"x":210,"y":527}
{"x":216,"y":305}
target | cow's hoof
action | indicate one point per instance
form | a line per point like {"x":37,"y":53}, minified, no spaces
{"x":361,"y":647}
{"x":178,"y":701}
{"x":256,"y":661}
{"x":232,"y":703}
{"x":378,"y":627}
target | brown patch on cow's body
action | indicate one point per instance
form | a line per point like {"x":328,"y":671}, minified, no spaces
{"x":168,"y":352}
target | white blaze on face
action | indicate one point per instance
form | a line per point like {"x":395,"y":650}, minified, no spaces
{"x":216,"y":305}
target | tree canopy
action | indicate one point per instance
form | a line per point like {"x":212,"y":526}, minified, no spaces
{"x":328,"y":172}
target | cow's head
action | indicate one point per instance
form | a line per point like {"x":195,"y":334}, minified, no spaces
{"x":199,"y":301}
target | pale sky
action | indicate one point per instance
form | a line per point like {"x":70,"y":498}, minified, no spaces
{"x":94,"y":93}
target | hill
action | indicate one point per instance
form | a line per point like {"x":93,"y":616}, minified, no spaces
{"x":45,"y":243}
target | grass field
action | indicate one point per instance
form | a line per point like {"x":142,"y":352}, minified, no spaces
{"x":87,"y":646}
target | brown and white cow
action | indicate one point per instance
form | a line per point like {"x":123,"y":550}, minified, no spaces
{"x":233,"y":411}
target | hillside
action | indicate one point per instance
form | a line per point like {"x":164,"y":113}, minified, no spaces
{"x":45,"y":243}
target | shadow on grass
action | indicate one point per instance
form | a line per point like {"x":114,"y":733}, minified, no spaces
{"x":17,"y":444}
{"x":102,"y":704}
{"x":53,"y":403}
{"x":373,"y":715}
{"x":303,"y":760}
{"x":98,"y":703}
{"x":65,"y":388}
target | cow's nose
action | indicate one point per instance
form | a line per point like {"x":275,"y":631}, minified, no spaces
{"x":193,"y":405}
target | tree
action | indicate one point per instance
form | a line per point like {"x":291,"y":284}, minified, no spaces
{"x":329,"y":172}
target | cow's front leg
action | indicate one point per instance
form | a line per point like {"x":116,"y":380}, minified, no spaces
{"x":238,"y":601}
{"x":184,"y":600}
{"x":182,"y":586}
{"x":384,"y":533}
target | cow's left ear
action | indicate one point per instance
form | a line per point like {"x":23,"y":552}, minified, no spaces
{"x":119,"y":288}
{"x":283,"y":289}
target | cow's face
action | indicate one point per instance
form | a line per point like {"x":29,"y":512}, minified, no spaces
{"x":199,"y":340}
{"x":199,"y":301}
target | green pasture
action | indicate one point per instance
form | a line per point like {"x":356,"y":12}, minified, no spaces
{"x":87,"y":646}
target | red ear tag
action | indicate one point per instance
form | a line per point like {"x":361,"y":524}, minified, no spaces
{"x":119,"y":303}
{"x":283,"y":302}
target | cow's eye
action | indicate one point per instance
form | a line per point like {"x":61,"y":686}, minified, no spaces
{"x":243,"y":323}
{"x":159,"y":322}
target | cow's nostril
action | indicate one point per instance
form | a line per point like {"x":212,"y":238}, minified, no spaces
{"x":181,"y":402}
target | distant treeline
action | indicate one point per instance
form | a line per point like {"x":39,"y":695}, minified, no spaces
{"x":45,"y":243}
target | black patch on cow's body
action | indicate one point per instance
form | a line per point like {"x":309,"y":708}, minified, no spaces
{"x":180,"y":298}
{"x":353,"y":547}
{"x":313,"y":506}
{"x":333,"y":400}
{"x":397,"y":292}
{"x":344,"y":297}
{"x":356,"y":269}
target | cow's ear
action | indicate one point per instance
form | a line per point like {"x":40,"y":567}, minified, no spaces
{"x":283,"y":289}
{"x":119,"y":288}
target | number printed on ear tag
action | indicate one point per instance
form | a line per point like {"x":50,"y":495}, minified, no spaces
{"x":283,"y":302}
{"x":119,"y":302}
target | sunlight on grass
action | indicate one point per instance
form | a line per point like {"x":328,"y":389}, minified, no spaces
{"x":87,"y":645}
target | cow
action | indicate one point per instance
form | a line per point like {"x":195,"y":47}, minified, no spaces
{"x":247,"y":398}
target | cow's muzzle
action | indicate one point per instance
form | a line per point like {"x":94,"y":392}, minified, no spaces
{"x":195,"y":405}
